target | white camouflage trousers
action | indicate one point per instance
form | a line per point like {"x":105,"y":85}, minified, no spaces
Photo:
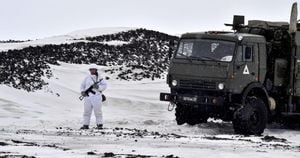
{"x":91,"y":103}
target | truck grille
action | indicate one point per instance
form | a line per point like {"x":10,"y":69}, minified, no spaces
{"x":197,"y":84}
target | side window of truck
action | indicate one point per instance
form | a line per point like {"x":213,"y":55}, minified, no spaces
{"x":247,"y":53}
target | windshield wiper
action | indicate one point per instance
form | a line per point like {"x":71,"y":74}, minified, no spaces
{"x":210,"y":58}
{"x":187,"y":57}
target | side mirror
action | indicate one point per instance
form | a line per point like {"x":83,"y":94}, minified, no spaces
{"x":170,"y":54}
{"x":171,"y":50}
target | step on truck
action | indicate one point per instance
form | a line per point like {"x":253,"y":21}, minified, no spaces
{"x":250,"y":76}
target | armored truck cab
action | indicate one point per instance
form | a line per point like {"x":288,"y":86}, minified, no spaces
{"x":250,"y":76}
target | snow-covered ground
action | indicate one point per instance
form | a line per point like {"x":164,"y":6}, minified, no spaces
{"x":46,"y":123}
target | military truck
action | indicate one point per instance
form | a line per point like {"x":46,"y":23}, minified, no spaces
{"x":250,"y":76}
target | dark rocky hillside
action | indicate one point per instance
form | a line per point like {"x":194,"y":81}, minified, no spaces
{"x":145,"y":56}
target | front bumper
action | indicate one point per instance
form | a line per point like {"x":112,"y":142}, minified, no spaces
{"x":193,"y":99}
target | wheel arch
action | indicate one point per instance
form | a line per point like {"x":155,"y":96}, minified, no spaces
{"x":258,"y":90}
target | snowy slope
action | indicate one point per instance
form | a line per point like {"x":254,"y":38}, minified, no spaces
{"x":98,"y":31}
{"x":46,"y":122}
{"x":61,"y":96}
{"x":71,"y":37}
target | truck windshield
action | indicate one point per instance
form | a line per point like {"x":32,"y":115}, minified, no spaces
{"x":202,"y":49}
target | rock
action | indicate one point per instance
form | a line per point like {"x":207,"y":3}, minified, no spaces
{"x":3,"y":144}
{"x":91,"y":153}
{"x":110,"y":154}
{"x":273,"y":139}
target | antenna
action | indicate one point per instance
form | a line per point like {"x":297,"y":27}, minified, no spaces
{"x":293,"y":18}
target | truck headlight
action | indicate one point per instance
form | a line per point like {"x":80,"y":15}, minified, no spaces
{"x":174,"y":83}
{"x":240,"y":38}
{"x":221,"y":86}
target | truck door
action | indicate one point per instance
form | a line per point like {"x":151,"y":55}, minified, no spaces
{"x":247,"y":64}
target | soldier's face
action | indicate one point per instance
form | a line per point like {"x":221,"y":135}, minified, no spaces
{"x":93,"y":71}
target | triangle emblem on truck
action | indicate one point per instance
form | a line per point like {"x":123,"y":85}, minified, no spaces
{"x":246,"y":70}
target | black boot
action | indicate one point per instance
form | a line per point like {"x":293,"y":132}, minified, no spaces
{"x":85,"y":127}
{"x":99,"y":126}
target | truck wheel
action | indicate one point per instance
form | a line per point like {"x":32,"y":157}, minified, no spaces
{"x":251,"y":118}
{"x":180,"y":114}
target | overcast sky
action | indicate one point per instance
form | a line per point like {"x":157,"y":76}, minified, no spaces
{"x":31,"y":19}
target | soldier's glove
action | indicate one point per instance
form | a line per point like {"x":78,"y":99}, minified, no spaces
{"x":83,"y":94}
{"x":96,"y":86}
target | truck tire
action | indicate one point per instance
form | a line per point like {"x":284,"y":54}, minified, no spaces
{"x":180,"y":113}
{"x":251,"y":118}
